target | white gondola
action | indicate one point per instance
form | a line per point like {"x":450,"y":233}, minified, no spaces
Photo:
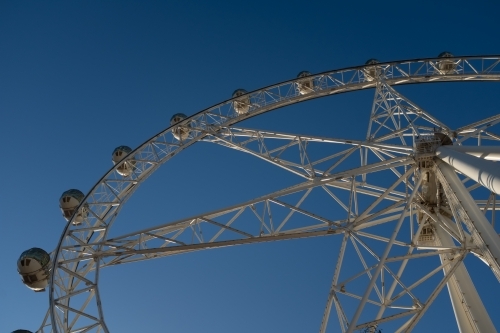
{"x":241,"y":105}
{"x":306,"y":84}
{"x":34,"y":267}
{"x":446,"y":66}
{"x":180,"y":132}
{"x":69,"y":202}
{"x":125,"y":168}
{"x":371,"y":71}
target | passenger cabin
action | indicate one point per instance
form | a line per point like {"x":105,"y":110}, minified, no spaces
{"x":125,"y":168}
{"x":305,"y":84}
{"x":241,"y":105}
{"x":181,"y":132}
{"x":34,"y":268}
{"x":69,"y":202}
{"x":371,"y":70}
{"x":446,"y":66}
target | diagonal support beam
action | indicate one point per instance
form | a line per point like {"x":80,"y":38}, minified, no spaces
{"x":491,"y":153}
{"x":481,"y":230}
{"x":486,"y":173}
{"x":469,"y":310}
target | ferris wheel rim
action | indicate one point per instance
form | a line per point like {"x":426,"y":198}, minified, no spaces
{"x":361,"y":85}
{"x":242,"y":118}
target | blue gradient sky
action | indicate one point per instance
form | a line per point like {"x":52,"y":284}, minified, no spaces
{"x":78,"y":79}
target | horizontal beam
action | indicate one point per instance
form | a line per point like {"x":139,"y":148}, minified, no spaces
{"x":204,"y":246}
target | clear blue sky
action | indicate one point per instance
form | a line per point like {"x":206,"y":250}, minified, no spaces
{"x":78,"y":79}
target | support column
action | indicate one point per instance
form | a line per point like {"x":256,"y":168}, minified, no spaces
{"x":491,"y":153}
{"x":486,"y":173}
{"x":470,"y":313}
{"x":482,"y":231}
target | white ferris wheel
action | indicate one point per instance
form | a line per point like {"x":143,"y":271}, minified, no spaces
{"x":414,"y":196}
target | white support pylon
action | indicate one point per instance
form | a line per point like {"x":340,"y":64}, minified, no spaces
{"x":491,"y":153}
{"x":481,"y":230}
{"x":486,"y":173}
{"x":470,"y":313}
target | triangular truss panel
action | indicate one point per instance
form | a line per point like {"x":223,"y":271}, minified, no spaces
{"x":396,"y":119}
{"x":304,"y":155}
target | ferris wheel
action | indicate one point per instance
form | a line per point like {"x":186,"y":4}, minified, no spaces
{"x":407,"y":204}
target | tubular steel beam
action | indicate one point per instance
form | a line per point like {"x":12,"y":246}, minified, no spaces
{"x":484,"y":230}
{"x":486,"y":173}
{"x":491,"y":153}
{"x":203,"y":246}
{"x":470,"y":313}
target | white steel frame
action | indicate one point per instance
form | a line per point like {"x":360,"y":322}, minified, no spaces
{"x":393,"y":150}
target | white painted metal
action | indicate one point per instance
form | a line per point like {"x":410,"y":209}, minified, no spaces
{"x":469,"y":310}
{"x":380,"y":265}
{"x":491,"y":153}
{"x":481,"y":230}
{"x":486,"y":173}
{"x":84,"y":248}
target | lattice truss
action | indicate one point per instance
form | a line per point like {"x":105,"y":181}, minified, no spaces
{"x":375,"y":190}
